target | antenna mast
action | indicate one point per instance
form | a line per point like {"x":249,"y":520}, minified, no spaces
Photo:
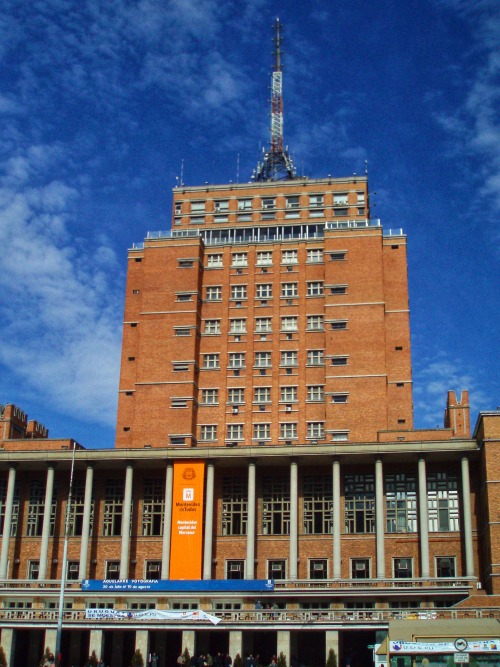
{"x":276,"y":164}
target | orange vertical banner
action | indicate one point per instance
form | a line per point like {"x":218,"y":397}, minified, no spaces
{"x":186,"y":544}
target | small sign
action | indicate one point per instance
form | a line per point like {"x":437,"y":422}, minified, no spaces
{"x":461,"y":644}
{"x":461,"y":657}
{"x":371,"y":646}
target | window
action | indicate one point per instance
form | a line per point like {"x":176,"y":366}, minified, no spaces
{"x":315,"y":357}
{"x":153,"y":507}
{"x":341,"y":211}
{"x":264,"y":291}
{"x":72,"y":570}
{"x":293,"y":201}
{"x":235,"y":431}
{"x":264,"y":258}
{"x":214,"y":261}
{"x":276,"y":505}
{"x":208,"y":432}
{"x":36,"y":506}
{"x":211,"y":360}
{"x":214,"y":293}
{"x":289,"y":358}
{"x":113,"y":508}
{"x":340,"y":199}
{"x":316,"y":200}
{"x":314,"y":288}
{"x":288,"y":394}
{"x":178,"y":208}
{"x":197,"y":206}
{"x":236,"y":396}
{"x":240,"y":259}
{"x":360,"y":568}
{"x":153,"y":569}
{"x":318,"y":504}
{"x":235,"y":569}
{"x":197,"y":220}
{"x":315,"y":255}
{"x":315,"y":392}
{"x":318,"y":568}
{"x":236,"y":360}
{"x":262,"y":431}
{"x":338,"y":324}
{"x":263,"y":359}
{"x":359,"y":493}
{"x":288,"y":431}
{"x":185,"y":296}
{"x":315,"y":430}
{"x":182,"y":331}
{"x":403,"y":568}
{"x":445,"y":566}
{"x":442,"y":500}
{"x":179,"y":366}
{"x":276,"y":569}
{"x":239,"y":292}
{"x":244,"y":204}
{"x":237,"y":326}
{"x":315,"y":323}
{"x":209,"y":396}
{"x":221,"y":205}
{"x":339,"y":360}
{"x":234,"y":505}
{"x":289,"y":290}
{"x":33,"y":569}
{"x":401,"y":503}
{"x":263,"y":324}
{"x":112,"y":569}
{"x":268,"y":202}
{"x":77,"y":506}
{"x":340,"y":436}
{"x":338,"y":255}
{"x":289,"y":323}
{"x":262,"y":395}
{"x":338,"y":289}
{"x":289,"y":257}
{"x":340,"y":397}
{"x":212,"y":327}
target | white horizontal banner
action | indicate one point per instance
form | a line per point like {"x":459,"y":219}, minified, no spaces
{"x":483,"y":646}
{"x":153,"y":614}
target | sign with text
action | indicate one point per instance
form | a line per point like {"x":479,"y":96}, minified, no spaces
{"x":481,"y":646}
{"x":162,"y":585}
{"x":186,"y":545}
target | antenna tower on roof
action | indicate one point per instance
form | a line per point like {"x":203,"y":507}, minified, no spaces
{"x":276,"y":164}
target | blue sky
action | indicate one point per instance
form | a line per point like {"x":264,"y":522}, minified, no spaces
{"x":101,"y":103}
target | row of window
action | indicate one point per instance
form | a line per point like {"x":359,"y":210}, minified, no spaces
{"x":289,"y":323}
{"x":317,"y":498}
{"x":211,"y":360}
{"x":262,"y":431}
{"x":264,"y":258}
{"x":265,"y":291}
{"x":288,"y":394}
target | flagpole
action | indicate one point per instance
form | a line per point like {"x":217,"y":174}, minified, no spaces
{"x":64,"y":563}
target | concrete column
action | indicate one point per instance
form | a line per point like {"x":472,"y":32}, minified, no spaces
{"x":87,"y":510}
{"x":209,"y":523}
{"x":294,"y":508}
{"x":50,"y":640}
{"x":467,"y":523}
{"x":423,"y":515}
{"x":142,"y":643}
{"x":167,"y":523}
{"x":283,"y":644}
{"x":337,"y":550}
{"x":250,"y":565}
{"x":235,"y":643}
{"x":9,"y":501}
{"x":189,"y":641}
{"x":44,"y":545}
{"x":379,"y":518}
{"x":96,"y":642}
{"x":332,"y":642}
{"x":7,"y":641}
{"x":127,"y":501}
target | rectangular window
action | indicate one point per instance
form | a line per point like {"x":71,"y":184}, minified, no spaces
{"x":153,"y":507}
{"x":289,"y":290}
{"x":288,"y":431}
{"x":237,"y":326}
{"x":401,"y":503}
{"x":315,"y":430}
{"x":33,"y":569}
{"x":338,"y":324}
{"x":403,"y":568}
{"x":153,"y":571}
{"x":315,"y":323}
{"x":236,"y":360}
{"x":244,"y":204}
{"x":315,"y":392}
{"x":289,"y":257}
{"x":197,"y":206}
{"x":262,"y":395}
{"x":289,"y":323}
{"x":338,"y":255}
{"x":221,"y":205}
{"x":186,"y":296}
{"x":72,"y":570}
{"x":338,"y":289}
{"x":264,"y":291}
{"x":15,"y":508}
{"x":276,"y":569}
{"x":239,"y":259}
{"x":442,"y":502}
{"x":288,"y":394}
{"x":360,"y":568}
{"x":235,"y":431}
{"x":314,"y":255}
{"x":214,"y":261}
{"x":214,"y":293}
{"x":340,"y":436}
{"x":315,"y":357}
{"x":359,"y":493}
{"x":268,"y":202}
{"x":236,"y":396}
{"x":208,"y":432}
{"x":318,"y":568}
{"x":263,"y":359}
{"x":263,"y":325}
{"x":341,"y":397}
{"x":235,"y":569}
{"x":261,"y":431}
{"x":340,"y":199}
{"x":318,"y":504}
{"x":212,"y":327}
{"x":276,"y":505}
{"x":211,"y":360}
{"x":239,"y":292}
{"x":113,"y":569}
{"x":339,"y":360}
{"x":293,"y":201}
{"x":316,"y":200}
{"x":182,"y":331}
{"x":113,"y":508}
{"x":209,"y":396}
{"x":77,"y":507}
{"x":289,"y":358}
{"x":36,"y":506}
{"x":234,"y":505}
{"x":264,"y":258}
{"x":314,"y":288}
{"x":445,"y":566}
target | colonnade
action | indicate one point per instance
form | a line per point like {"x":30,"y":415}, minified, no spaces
{"x":251,"y":527}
